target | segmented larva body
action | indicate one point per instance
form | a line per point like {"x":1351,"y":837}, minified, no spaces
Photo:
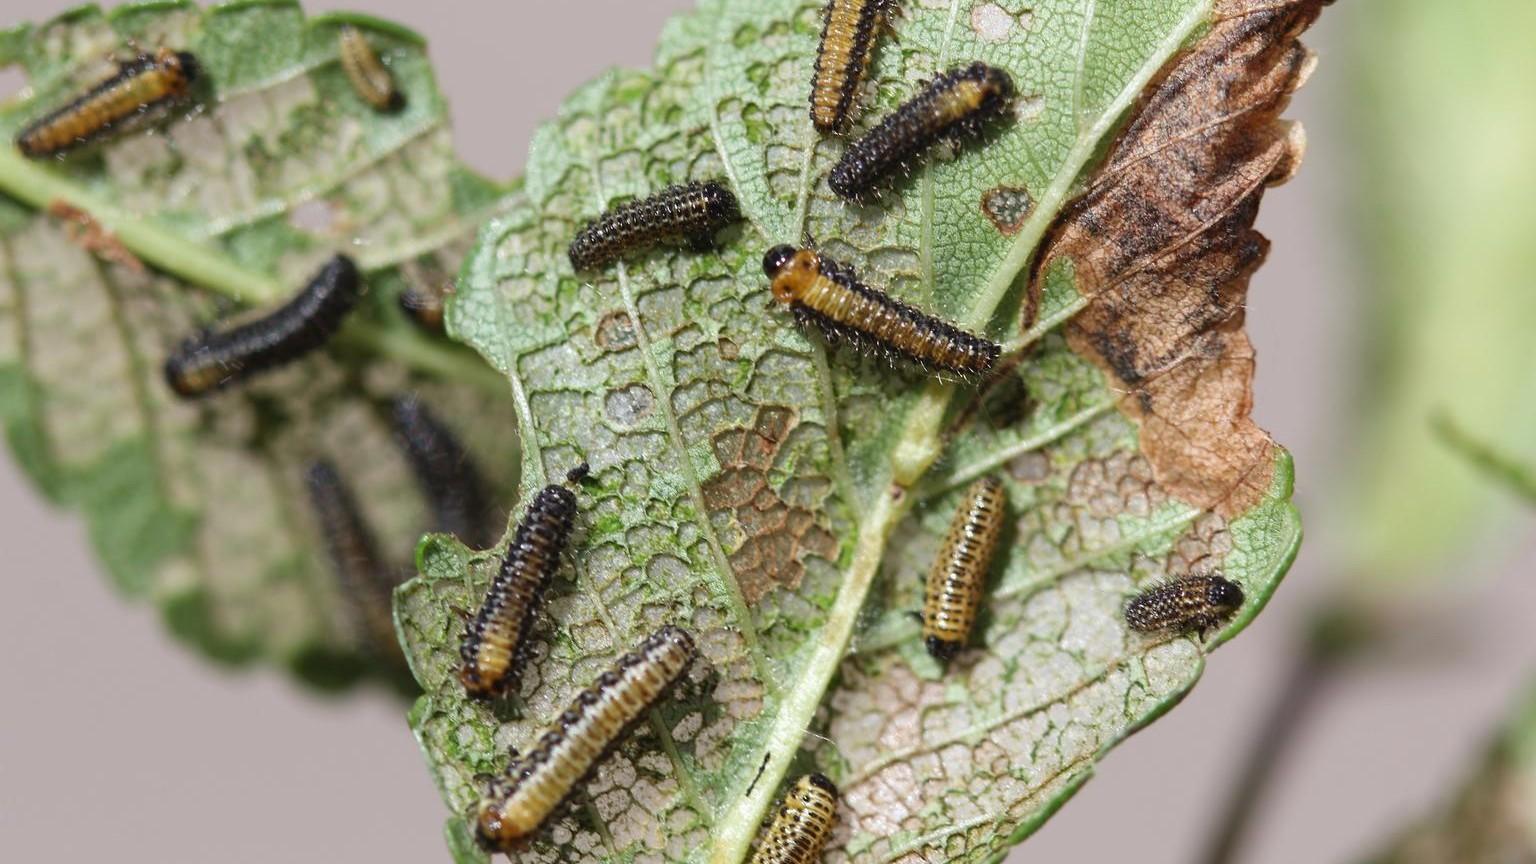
{"x":826,"y":295}
{"x":954,"y":105}
{"x":369,"y":76}
{"x":848,"y":32}
{"x":211,"y":361}
{"x":1187,"y":603}
{"x":141,"y":89}
{"x":959,"y":573}
{"x":802,"y":825}
{"x":495,"y":639}
{"x":366,"y":581}
{"x":447,"y":475}
{"x":538,"y":782}
{"x":691,"y":212}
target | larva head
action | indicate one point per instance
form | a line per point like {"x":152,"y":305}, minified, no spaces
{"x":188,"y":66}
{"x":1224,"y":595}
{"x":995,"y":84}
{"x":496,"y":828}
{"x":792,"y":271}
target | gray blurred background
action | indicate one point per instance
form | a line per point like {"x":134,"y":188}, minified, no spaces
{"x":116,"y":743}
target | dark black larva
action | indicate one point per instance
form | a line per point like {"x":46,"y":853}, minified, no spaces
{"x":1184,"y":604}
{"x":495,"y":639}
{"x":448,"y":477}
{"x":691,"y":212}
{"x":827,"y":295}
{"x":539,"y":782}
{"x":802,"y":825}
{"x":956,"y":104}
{"x":210,"y":361}
{"x":848,"y":33}
{"x":141,"y":89}
{"x":366,"y":581}
{"x":368,"y":75}
{"x":959,"y":572}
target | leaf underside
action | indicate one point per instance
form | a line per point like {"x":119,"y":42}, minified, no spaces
{"x":202,"y":507}
{"x":784,"y":502}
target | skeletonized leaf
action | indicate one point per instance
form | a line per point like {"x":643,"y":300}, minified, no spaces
{"x":784,"y":502}
{"x":202,"y":507}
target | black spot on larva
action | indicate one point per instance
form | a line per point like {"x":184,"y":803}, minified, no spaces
{"x":141,"y":90}
{"x":692,"y":212}
{"x":827,"y":296}
{"x":538,"y":783}
{"x":957,"y":104}
{"x":1184,"y":604}
{"x":211,"y":360}
{"x":959,"y":573}
{"x":801,"y":825}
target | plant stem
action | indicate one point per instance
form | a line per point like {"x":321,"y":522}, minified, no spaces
{"x":207,"y":268}
{"x":1311,"y":670}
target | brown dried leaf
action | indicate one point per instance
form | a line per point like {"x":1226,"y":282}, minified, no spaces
{"x":1162,"y":245}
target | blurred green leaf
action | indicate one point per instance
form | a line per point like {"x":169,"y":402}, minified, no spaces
{"x":1447,"y":127}
{"x":201,"y":507}
{"x":783,"y":502}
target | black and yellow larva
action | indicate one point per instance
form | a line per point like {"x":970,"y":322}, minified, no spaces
{"x":954,"y":105}
{"x":538,"y":782}
{"x":448,"y":476}
{"x":141,"y":89}
{"x":366,"y":581}
{"x":959,"y":573}
{"x":828,"y":296}
{"x":496,"y":638}
{"x":1188,"y":603}
{"x":848,"y":32}
{"x":692,"y":212}
{"x":210,"y":361}
{"x":801,"y":826}
{"x":370,"y":78}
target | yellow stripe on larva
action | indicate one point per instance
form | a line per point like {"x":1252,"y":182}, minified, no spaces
{"x":370,"y":78}
{"x":540,"y":781}
{"x":842,"y":59}
{"x":959,"y":573}
{"x":131,"y":95}
{"x":801,"y":827}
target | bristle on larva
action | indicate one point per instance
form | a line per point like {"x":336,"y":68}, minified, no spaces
{"x":1184,"y":604}
{"x":538,"y":782}
{"x":141,"y":90}
{"x":801,"y":826}
{"x":959,"y":573}
{"x":692,"y":212}
{"x":370,"y":78}
{"x":848,"y":32}
{"x":826,"y":295}
{"x":496,"y":639}
{"x":211,"y":361}
{"x":366,"y":581}
{"x":446,"y":473}
{"x":957,"y":104}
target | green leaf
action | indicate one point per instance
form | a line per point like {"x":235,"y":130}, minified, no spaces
{"x":784,"y":503}
{"x":1446,"y":228}
{"x":201,"y":507}
{"x":1489,"y":821}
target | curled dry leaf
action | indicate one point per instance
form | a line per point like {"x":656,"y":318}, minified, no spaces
{"x":1162,"y":247}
